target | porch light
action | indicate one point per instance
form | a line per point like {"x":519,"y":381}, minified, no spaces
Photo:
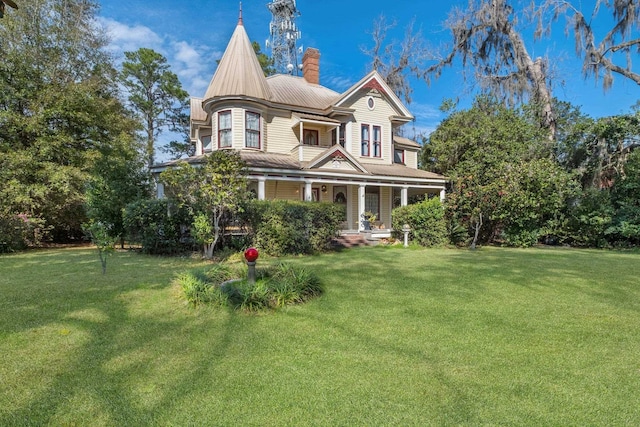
{"x":324,"y":188}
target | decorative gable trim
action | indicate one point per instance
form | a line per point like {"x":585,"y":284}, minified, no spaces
{"x":375,"y":85}
{"x":337,"y":152}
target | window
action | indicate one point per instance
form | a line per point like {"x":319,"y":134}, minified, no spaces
{"x":206,"y":143}
{"x":339,"y":136}
{"x":310,"y":137}
{"x":398,"y":156}
{"x":252,"y":130}
{"x":372,"y":200}
{"x":377,"y":141}
{"x":364,"y":140}
{"x":371,"y":103}
{"x":224,"y":129}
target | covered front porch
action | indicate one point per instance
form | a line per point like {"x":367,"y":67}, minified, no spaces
{"x":368,"y":202}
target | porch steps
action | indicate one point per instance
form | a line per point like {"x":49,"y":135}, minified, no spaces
{"x":351,"y":240}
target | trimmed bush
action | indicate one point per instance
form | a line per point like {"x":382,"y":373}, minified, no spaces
{"x":427,"y":222}
{"x":283,"y":227}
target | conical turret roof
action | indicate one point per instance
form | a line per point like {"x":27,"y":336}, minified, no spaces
{"x":239,"y":72}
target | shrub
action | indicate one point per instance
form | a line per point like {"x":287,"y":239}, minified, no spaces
{"x":426,"y":219}
{"x":159,"y":229}
{"x":282,"y":227}
{"x":18,"y":232}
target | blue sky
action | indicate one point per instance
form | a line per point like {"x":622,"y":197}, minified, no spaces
{"x":193,"y":35}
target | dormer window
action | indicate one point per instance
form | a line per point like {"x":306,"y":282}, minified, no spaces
{"x":224,"y":129}
{"x":252,"y":130}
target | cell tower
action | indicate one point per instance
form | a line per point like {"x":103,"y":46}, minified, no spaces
{"x":284,"y":35}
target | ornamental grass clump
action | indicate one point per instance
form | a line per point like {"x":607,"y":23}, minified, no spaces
{"x":275,"y":287}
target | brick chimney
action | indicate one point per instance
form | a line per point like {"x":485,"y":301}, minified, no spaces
{"x":311,"y":65}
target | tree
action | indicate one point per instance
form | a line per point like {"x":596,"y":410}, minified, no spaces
{"x":597,"y":149}
{"x":504,"y":184}
{"x":486,"y":37}
{"x":600,"y":59}
{"x":59,"y":106}
{"x":155,"y":95}
{"x":625,"y":198}
{"x":118,"y":178}
{"x":266,"y":63}
{"x":397,"y":61}
{"x":217,"y":187}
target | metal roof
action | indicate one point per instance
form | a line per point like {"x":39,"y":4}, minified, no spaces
{"x":297,"y":92}
{"x":239,"y":72}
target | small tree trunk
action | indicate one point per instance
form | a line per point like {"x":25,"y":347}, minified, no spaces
{"x":477,"y":227}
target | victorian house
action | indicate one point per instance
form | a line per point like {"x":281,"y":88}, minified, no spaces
{"x":303,"y":141}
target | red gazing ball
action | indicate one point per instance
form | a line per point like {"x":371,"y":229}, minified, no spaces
{"x":251,"y":254}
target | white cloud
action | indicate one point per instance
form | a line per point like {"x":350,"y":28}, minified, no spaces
{"x":193,"y":64}
{"x":126,"y":38}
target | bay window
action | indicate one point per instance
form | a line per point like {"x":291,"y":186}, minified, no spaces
{"x":224,"y":129}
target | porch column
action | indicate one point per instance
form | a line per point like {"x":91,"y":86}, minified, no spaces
{"x":442,"y":193}
{"x":261,"y":188}
{"x":308,"y":196}
{"x":404,"y":196}
{"x":159,"y":190}
{"x":361,"y":205}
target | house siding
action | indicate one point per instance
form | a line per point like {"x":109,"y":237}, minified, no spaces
{"x":379,"y":116}
{"x":282,"y":190}
{"x":411,"y":159}
{"x":281,"y":138}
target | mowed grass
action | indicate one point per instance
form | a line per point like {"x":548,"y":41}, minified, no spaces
{"x":400,"y":337}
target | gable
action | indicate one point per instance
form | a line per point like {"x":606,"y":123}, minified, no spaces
{"x":336,"y":158}
{"x":374,"y":83}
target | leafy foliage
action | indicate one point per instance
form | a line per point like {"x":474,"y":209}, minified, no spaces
{"x":275,"y":287}
{"x":502,"y":175}
{"x":209,"y":192}
{"x":159,"y":229}
{"x":101,"y":236}
{"x":284,"y":227}
{"x":155,"y":94}
{"x":426,"y":220}
{"x":19,"y":232}
{"x":59,"y":109}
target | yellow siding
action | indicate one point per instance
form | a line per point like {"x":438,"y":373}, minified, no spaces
{"x":411,"y":159}
{"x":379,"y":116}
{"x":281,"y":138}
{"x":353,"y":205}
{"x":237,"y":128}
{"x":385,"y":206}
{"x":283,"y":190}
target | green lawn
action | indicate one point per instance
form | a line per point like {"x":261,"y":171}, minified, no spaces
{"x":400,"y":337}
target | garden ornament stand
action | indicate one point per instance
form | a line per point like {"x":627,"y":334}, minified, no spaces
{"x":251,"y":255}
